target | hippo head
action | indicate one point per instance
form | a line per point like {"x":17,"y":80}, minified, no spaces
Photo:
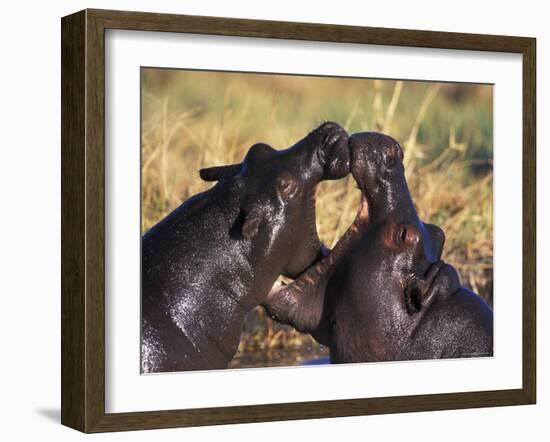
{"x":383,"y":293}
{"x":404,"y":249}
{"x":276,"y":196}
{"x":409,"y":304}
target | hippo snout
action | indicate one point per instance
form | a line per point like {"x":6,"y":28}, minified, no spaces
{"x":333,"y":152}
{"x":372,"y":155}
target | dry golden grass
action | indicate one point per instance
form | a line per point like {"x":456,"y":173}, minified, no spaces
{"x":192,"y":120}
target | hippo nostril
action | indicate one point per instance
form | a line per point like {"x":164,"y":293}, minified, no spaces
{"x":331,"y":132}
{"x":330,"y":125}
{"x":326,"y":139}
{"x":391,"y":154}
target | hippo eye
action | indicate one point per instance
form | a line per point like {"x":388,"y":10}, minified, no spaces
{"x":400,"y":237}
{"x":287,"y":186}
{"x":406,"y":235}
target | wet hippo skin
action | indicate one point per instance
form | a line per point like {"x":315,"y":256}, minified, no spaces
{"x":384,"y":293}
{"x":215,"y":257}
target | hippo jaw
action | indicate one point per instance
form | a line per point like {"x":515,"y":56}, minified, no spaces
{"x":420,"y":293}
{"x":322,"y":155}
{"x":458,"y":320}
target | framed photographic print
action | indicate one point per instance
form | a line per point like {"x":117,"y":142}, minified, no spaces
{"x":269,"y":220}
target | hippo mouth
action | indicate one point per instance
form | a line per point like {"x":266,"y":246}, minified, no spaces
{"x":359,"y":166}
{"x":336,"y":138}
{"x":334,"y":153}
{"x":373,"y":159}
{"x":421,"y":293}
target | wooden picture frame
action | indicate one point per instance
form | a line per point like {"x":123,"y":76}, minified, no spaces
{"x":83,"y":220}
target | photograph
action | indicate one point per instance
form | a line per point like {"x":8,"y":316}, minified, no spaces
{"x":299,"y":220}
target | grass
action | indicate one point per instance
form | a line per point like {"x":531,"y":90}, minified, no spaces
{"x":196,"y":119}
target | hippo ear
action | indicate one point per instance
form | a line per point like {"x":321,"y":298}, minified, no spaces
{"x":251,"y":223}
{"x":219,"y":172}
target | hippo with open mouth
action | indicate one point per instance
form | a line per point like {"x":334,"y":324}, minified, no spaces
{"x":215,"y":257}
{"x":383,"y":293}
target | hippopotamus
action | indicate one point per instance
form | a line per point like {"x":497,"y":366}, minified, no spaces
{"x":216,"y":256}
{"x":384,"y":293}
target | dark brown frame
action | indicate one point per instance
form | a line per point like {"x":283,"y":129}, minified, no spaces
{"x":83,"y":216}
